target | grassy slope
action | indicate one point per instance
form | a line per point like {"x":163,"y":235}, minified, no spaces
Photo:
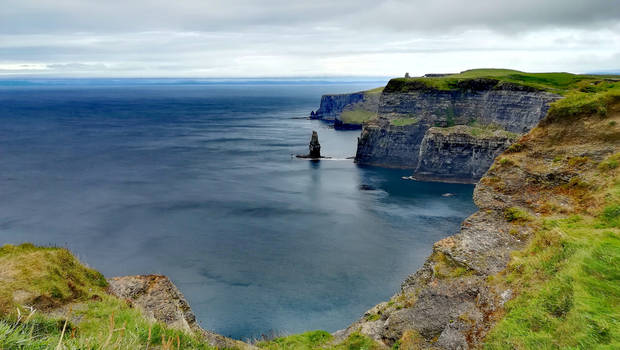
{"x":560,"y":83}
{"x":567,"y":280}
{"x":60,"y":288}
{"x":360,"y":113}
{"x":357,"y":116}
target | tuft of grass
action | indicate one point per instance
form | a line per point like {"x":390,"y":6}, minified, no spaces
{"x":516,"y":215}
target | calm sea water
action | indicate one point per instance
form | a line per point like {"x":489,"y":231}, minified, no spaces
{"x":197,"y":182}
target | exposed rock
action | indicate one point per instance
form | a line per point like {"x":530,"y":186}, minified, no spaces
{"x":160,"y":300}
{"x":456,"y":154}
{"x":406,"y":119}
{"x":332,"y":105}
{"x":314,"y":147}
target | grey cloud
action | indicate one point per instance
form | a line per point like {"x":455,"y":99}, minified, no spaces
{"x":32,"y":16}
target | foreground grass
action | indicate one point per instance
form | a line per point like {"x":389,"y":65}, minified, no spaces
{"x":567,"y":281}
{"x":69,"y":307}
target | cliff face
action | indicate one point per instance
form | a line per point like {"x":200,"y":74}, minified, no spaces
{"x":459,"y":153}
{"x":395,"y":137}
{"x":332,"y":105}
{"x":560,"y":168}
{"x":160,"y":300}
{"x":348,"y":111}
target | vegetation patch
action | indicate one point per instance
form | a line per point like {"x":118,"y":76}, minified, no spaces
{"x":357,"y":116}
{"x":566,"y":282}
{"x":404,"y":121}
{"x":445,"y":267}
{"x":486,"y":79}
{"x":517,"y":215}
{"x":315,"y":340}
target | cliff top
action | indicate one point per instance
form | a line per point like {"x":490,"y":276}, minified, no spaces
{"x":503,"y":79}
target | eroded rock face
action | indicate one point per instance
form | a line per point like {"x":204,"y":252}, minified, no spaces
{"x":386,"y":142}
{"x":458,"y":154}
{"x":332,"y":105}
{"x":160,"y":300}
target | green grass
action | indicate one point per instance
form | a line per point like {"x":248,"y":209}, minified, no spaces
{"x":357,"y":116}
{"x":568,"y":280}
{"x":584,"y":103}
{"x":44,"y":277}
{"x":404,"y":121}
{"x":50,"y":278}
{"x":375,"y":90}
{"x":560,"y":83}
{"x":316,"y":340}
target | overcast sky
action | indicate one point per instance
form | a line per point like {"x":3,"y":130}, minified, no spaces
{"x":293,"y":38}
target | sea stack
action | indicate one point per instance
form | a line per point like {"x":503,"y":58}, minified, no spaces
{"x":315,"y":146}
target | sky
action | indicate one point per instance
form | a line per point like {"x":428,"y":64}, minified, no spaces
{"x":309,"y":38}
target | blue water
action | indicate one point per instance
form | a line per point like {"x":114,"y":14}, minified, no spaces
{"x":197,"y":182}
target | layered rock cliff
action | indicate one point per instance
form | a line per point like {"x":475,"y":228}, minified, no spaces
{"x":561,"y":168}
{"x":408,"y":109}
{"x":348,"y":111}
{"x":460,"y":153}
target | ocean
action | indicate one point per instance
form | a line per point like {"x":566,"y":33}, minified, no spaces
{"x":197,"y":181}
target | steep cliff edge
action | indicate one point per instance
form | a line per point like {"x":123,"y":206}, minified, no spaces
{"x":348,"y":111}
{"x":460,"y":153}
{"x":408,"y":108}
{"x":530,"y":269}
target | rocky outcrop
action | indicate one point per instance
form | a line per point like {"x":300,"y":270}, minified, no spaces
{"x":452,"y":301}
{"x":407,"y":110}
{"x":332,"y":105}
{"x":160,"y":300}
{"x":348,"y":111}
{"x":459,"y":154}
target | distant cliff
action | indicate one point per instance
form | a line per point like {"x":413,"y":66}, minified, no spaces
{"x":348,"y":111}
{"x":408,"y":108}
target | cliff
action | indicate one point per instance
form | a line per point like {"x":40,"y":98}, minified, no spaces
{"x":348,"y":111}
{"x":460,"y":153}
{"x":408,"y":108}
{"x":520,"y":272}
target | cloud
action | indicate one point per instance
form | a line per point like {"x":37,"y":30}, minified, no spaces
{"x":301,"y":38}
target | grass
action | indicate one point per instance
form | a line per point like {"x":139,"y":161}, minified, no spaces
{"x":44,"y":277}
{"x":53,"y":280}
{"x":357,"y":116}
{"x":404,"y":121}
{"x":566,"y":281}
{"x":560,"y":83}
{"x":316,"y":340}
